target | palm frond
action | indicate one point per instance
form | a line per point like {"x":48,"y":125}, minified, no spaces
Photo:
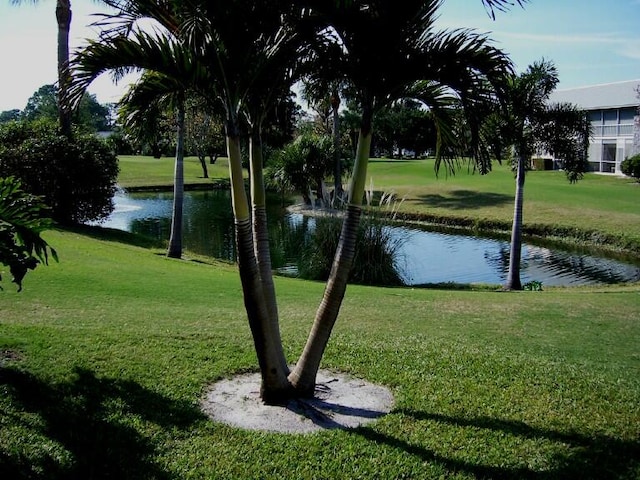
{"x":141,"y":51}
{"x":500,"y":5}
{"x":22,"y":219}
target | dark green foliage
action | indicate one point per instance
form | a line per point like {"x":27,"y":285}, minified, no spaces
{"x":90,"y":115}
{"x":22,"y":218}
{"x":75,"y":177}
{"x":404,"y":128}
{"x":120,"y":143}
{"x":9,"y":115}
{"x":631,"y":166}
{"x":43,"y":104}
{"x":533,"y":286}
{"x":302,"y":165}
{"x":375,"y":257}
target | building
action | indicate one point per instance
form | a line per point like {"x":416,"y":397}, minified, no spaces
{"x":613,"y":110}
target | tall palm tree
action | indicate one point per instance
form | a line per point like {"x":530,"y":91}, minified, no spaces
{"x":530,"y":124}
{"x":169,"y":73}
{"x":384,"y":68}
{"x":63,"y":18}
{"x":158,"y":92}
{"x":241,"y":53}
{"x":325,"y":84}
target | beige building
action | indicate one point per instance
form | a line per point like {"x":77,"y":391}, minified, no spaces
{"x":613,"y":110}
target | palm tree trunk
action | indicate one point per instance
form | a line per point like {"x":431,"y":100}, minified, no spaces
{"x":175,"y":240}
{"x":513,"y":277}
{"x":303,"y":377}
{"x":273,"y":365}
{"x":261,"y":240}
{"x":337,"y":170}
{"x":63,"y":16}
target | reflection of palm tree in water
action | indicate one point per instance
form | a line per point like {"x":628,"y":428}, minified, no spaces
{"x":554,"y":264}
{"x":499,"y":260}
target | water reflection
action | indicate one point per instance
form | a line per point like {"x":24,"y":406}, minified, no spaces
{"x":425,"y":256}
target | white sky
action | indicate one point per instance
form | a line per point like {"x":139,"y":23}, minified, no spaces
{"x":590,"y":41}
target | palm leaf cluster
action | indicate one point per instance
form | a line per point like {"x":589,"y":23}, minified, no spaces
{"x":22,"y":219}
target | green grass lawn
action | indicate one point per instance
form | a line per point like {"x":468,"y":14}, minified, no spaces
{"x":139,"y":171}
{"x":105,"y":356}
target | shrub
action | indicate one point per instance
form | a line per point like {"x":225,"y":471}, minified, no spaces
{"x":631,"y":166}
{"x":302,"y":165}
{"x":75,"y":177}
{"x":375,"y":256}
{"x":533,"y":286}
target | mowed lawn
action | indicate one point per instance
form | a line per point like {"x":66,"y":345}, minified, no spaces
{"x":105,"y":357}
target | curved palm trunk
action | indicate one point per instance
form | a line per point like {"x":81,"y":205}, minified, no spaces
{"x":273,"y":365}
{"x":303,"y":377}
{"x":175,"y":240}
{"x":513,"y":277}
{"x":63,"y":16}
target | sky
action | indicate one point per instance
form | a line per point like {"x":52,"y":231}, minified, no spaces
{"x":590,"y":41}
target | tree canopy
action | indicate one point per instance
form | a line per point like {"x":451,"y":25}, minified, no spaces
{"x":90,"y":116}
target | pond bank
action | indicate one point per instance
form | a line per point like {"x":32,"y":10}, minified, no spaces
{"x":553,"y":235}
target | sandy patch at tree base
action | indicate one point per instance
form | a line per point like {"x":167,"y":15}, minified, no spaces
{"x":340,"y":401}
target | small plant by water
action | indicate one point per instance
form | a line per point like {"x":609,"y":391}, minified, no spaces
{"x":533,"y":286}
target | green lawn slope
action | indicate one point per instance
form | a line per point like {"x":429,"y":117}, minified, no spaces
{"x":105,"y":356}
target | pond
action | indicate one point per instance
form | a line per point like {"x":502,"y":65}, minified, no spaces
{"x":425,"y":255}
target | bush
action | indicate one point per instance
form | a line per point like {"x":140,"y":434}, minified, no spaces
{"x":375,"y":256}
{"x":302,"y":165}
{"x":631,"y":166}
{"x":75,"y":177}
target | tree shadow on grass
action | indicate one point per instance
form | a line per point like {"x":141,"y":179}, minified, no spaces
{"x":465,"y":200}
{"x":593,"y":457}
{"x":114,"y":235}
{"x":84,"y":428}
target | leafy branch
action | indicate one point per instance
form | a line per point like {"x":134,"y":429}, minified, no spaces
{"x":22,"y":219}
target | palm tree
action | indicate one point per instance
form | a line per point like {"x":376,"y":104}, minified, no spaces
{"x":408,"y":60}
{"x":157,"y":92}
{"x":242,"y":53}
{"x":530,"y":124}
{"x":223,"y":60}
{"x":325,"y":84}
